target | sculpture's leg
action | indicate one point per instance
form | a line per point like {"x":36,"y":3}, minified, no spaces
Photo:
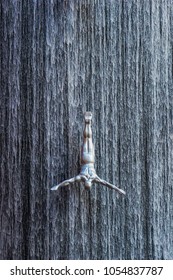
{"x":87,"y":152}
{"x":103,"y":182}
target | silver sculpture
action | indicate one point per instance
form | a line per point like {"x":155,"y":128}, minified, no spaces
{"x":87,"y":174}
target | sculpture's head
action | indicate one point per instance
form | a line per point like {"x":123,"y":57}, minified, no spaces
{"x":88,"y":185}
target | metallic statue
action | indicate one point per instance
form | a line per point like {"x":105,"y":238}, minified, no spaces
{"x":88,"y":174}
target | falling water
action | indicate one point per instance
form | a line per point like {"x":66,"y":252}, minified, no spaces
{"x":60,"y":59}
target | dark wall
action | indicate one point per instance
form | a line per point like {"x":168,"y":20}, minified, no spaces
{"x":59,"y":59}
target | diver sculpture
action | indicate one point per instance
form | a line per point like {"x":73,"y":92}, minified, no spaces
{"x":88,"y":174}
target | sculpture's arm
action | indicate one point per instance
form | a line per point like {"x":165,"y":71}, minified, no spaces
{"x":64,"y":183}
{"x":78,"y":178}
{"x":103,"y":182}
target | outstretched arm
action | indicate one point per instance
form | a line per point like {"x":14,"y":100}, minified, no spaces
{"x":78,"y":178}
{"x":103,"y":182}
{"x":64,"y":183}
